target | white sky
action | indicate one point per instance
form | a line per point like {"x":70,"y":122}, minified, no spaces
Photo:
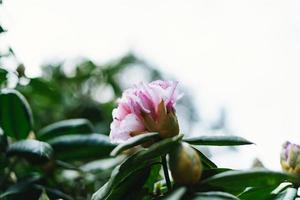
{"x":241,"y":54}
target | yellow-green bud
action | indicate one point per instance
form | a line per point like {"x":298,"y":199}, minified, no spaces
{"x":290,"y":158}
{"x":185,"y":165}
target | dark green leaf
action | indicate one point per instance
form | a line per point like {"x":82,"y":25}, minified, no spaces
{"x":113,"y":191}
{"x":53,"y":193}
{"x":3,"y":141}
{"x":1,"y":29}
{"x":283,"y":186}
{"x":32,"y":150}
{"x":288,"y":194}
{"x":153,"y":178}
{"x":73,"y":147}
{"x":102,"y":165}
{"x":177,"y":194}
{"x":3,"y":74}
{"x":260,"y":193}
{"x":240,"y":180}
{"x":134,"y":163}
{"x":206,"y":162}
{"x":134,"y":141}
{"x":20,"y":187}
{"x":213,"y":171}
{"x":66,"y":127}
{"x":15,"y":114}
{"x":218,"y":140}
{"x":214,"y":196}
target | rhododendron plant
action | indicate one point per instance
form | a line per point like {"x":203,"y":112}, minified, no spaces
{"x":146,"y":108}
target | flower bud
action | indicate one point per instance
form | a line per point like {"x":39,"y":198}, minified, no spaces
{"x":146,"y":108}
{"x":290,"y":158}
{"x":185,"y":165}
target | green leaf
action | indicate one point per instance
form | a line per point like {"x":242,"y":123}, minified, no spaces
{"x":3,"y":73}
{"x":66,"y":127}
{"x":134,"y":141}
{"x":206,"y":162}
{"x":74,"y":147}
{"x":3,"y":141}
{"x":288,"y":194}
{"x":32,"y":150}
{"x":177,"y":194}
{"x":102,"y":164}
{"x":53,"y":193}
{"x":15,"y":114}
{"x":240,"y":180}
{"x":138,"y":161}
{"x":283,"y":186}
{"x":260,"y":193}
{"x":113,"y":191}
{"x":44,"y":196}
{"x":213,"y":171}
{"x":153,"y":178}
{"x":20,"y":187}
{"x":214,"y":196}
{"x":218,"y":140}
{"x":1,"y":29}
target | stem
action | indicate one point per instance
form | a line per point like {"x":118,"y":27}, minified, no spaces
{"x":166,"y":172}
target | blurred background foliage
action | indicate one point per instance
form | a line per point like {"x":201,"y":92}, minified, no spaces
{"x":78,"y":88}
{"x":84,"y":89}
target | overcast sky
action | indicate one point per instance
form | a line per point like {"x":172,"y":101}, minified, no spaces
{"x":243,"y":55}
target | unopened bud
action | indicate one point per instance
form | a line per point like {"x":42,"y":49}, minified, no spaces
{"x":185,"y":165}
{"x":290,"y":158}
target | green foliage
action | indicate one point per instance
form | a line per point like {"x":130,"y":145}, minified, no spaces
{"x":1,"y":29}
{"x":32,"y":150}
{"x":237,"y":181}
{"x":218,"y":140}
{"x":3,"y":74}
{"x":134,"y":141}
{"x":214,"y":196}
{"x":74,"y":147}
{"x":66,"y":127}
{"x":15,"y":114}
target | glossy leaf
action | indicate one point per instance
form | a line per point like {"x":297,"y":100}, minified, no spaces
{"x":32,"y":150}
{"x":288,"y":194}
{"x":206,"y":162}
{"x":20,"y":187}
{"x":213,"y":171}
{"x":177,"y":194}
{"x":3,"y":141}
{"x":134,"y":141}
{"x":240,"y":180}
{"x":102,"y":165}
{"x":73,"y":147}
{"x":218,"y":140}
{"x":53,"y":193}
{"x":113,"y":191}
{"x":134,"y":163}
{"x":283,"y":186}
{"x":257,"y":193}
{"x":214,"y":196}
{"x":66,"y":127}
{"x":3,"y":73}
{"x":15,"y":114}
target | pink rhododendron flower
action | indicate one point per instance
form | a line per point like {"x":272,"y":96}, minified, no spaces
{"x":146,"y":108}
